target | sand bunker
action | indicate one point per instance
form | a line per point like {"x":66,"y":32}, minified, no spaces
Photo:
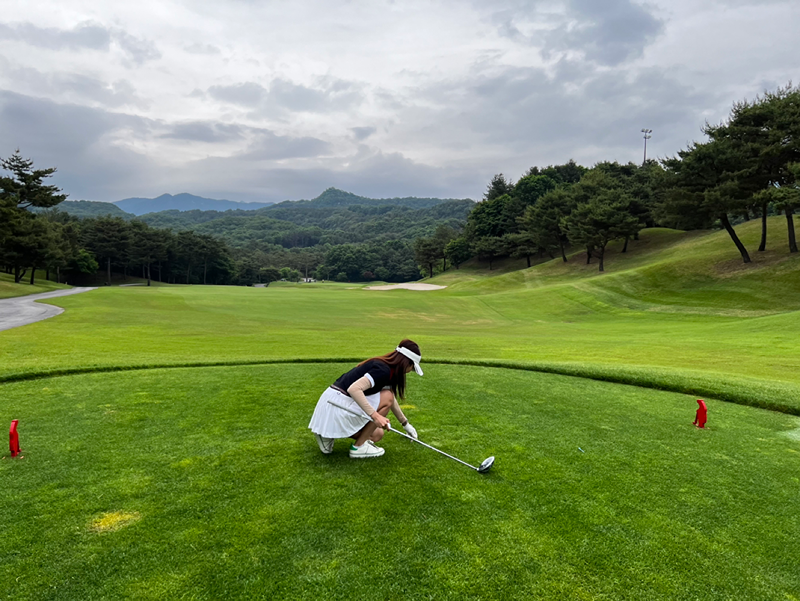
{"x":410,"y":286}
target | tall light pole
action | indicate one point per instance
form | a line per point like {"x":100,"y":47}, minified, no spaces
{"x":647,"y":136}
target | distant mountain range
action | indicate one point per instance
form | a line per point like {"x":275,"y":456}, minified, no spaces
{"x":330,"y":198}
{"x":183,"y":202}
{"x":334,"y":217}
{"x":334,"y":198}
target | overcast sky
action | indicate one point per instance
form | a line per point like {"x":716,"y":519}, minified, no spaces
{"x":252,"y":101}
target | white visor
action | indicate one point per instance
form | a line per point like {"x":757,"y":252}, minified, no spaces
{"x":411,"y":355}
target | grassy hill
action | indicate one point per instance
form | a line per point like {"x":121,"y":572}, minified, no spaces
{"x":9,"y":289}
{"x":668,"y":269}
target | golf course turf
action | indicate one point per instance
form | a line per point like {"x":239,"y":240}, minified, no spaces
{"x":211,"y":486}
{"x":203,"y":481}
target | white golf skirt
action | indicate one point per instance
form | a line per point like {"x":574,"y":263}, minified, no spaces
{"x":331,"y":422}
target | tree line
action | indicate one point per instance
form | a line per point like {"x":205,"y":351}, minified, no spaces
{"x":34,"y":234}
{"x":749,"y":167}
{"x":391,"y":261}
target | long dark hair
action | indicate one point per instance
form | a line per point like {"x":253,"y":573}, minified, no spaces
{"x":398,"y":365}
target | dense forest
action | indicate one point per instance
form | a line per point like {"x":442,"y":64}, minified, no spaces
{"x":323,"y":237}
{"x":305,"y":225}
{"x":749,"y":167}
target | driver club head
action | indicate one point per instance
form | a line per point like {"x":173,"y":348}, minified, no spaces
{"x":486,"y":465}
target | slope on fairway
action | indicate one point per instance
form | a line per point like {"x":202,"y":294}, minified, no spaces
{"x":8,"y":289}
{"x":205,"y":482}
{"x":667,"y":270}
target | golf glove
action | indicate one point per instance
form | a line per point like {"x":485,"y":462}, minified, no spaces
{"x":410,"y":430}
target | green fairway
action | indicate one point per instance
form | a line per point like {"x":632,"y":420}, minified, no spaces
{"x":676,"y":312}
{"x":205,"y":483}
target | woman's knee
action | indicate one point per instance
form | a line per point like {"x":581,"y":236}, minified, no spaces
{"x":376,"y":435}
{"x":387,"y":398}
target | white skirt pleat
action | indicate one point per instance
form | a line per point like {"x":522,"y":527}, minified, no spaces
{"x":331,"y":422}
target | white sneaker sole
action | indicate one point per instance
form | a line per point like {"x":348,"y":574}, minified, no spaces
{"x":367,"y":451}
{"x":325,"y":444}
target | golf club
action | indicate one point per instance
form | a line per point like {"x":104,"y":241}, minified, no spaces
{"x":484,"y":467}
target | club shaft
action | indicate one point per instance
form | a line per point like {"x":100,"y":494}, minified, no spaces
{"x":411,"y":438}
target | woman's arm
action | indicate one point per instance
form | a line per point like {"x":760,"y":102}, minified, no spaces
{"x":356,"y":392}
{"x":398,"y":412}
{"x":410,"y":430}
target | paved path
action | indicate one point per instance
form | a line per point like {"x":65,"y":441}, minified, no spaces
{"x":22,"y":310}
{"x":406,"y":286}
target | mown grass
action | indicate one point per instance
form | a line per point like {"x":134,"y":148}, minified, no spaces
{"x":687,"y":270}
{"x":205,"y":483}
{"x":673,"y":313}
{"x":8,"y":289}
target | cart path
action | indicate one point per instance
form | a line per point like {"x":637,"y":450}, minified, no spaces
{"x":23,"y":310}
{"x":407,"y":286}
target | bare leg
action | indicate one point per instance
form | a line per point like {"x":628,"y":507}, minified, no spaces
{"x":371,"y":431}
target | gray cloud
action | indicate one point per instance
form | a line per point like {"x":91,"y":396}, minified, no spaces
{"x":269,"y":146}
{"x":200,"y":131}
{"x":608,"y":32}
{"x":459,"y":91}
{"x":738,"y":3}
{"x":248,"y":94}
{"x":73,"y":86}
{"x":65,"y":129}
{"x":80,"y":142}
{"x":284,"y":93}
{"x":284,"y":96}
{"x":86,"y":36}
{"x":261,"y":144}
{"x":198,"y":48}
{"x":379,"y":175}
{"x":527,"y":116}
{"x":77,"y":140}
{"x":137,"y":50}
{"x":362,"y":133}
{"x":368,"y":172}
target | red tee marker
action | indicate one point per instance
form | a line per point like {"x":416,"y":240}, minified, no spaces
{"x":13,"y":442}
{"x":700,"y":416}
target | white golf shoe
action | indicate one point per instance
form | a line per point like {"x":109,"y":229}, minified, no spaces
{"x":325,"y":444}
{"x":366,"y":450}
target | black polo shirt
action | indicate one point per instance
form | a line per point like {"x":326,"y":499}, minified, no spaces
{"x":377,"y":371}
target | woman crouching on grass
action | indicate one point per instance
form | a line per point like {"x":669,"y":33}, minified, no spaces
{"x":371,"y":388}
